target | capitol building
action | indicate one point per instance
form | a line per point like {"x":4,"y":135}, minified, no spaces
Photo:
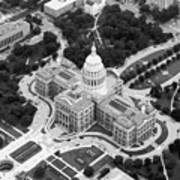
{"x":95,"y":94}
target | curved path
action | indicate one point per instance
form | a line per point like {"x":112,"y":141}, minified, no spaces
{"x":146,"y":52}
{"x":31,"y":90}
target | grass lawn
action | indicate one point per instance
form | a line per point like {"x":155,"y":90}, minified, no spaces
{"x":82,"y":157}
{"x":144,"y":60}
{"x":98,"y":128}
{"x":22,"y":129}
{"x":164,"y":133}
{"x":177,"y":101}
{"x":59,"y":164}
{"x":49,"y":173}
{"x":103,"y":162}
{"x":164,"y":101}
{"x":10,"y":130}
{"x":7,"y":140}
{"x":160,"y":77}
{"x":69,"y":172}
{"x":175,"y":173}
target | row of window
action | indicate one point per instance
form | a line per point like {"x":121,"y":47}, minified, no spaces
{"x":11,"y":39}
{"x":93,"y":82}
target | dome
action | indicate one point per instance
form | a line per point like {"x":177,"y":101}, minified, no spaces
{"x":94,"y":73}
{"x":93,"y":59}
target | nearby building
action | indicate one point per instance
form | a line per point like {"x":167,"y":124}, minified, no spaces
{"x":11,"y":33}
{"x":96,"y":94}
{"x":56,"y":8}
{"x":74,"y":110}
{"x":93,"y":7}
{"x":162,"y":4}
{"x":128,"y":124}
{"x":50,"y":82}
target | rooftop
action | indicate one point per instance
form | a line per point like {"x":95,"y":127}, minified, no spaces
{"x":77,"y":100}
{"x":124,"y":111}
{"x":119,"y":105}
{"x":58,"y":4}
{"x":9,"y":27}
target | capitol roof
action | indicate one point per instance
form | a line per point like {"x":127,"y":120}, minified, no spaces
{"x":77,"y":100}
{"x":93,"y":61}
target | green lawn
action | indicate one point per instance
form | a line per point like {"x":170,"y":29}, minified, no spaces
{"x":164,"y":133}
{"x":164,"y":101}
{"x":49,"y":173}
{"x":106,"y":160}
{"x":7,"y":140}
{"x":82,"y":157}
{"x":174,"y":169}
{"x":176,"y":172}
{"x":145,"y":59}
{"x":159,"y":77}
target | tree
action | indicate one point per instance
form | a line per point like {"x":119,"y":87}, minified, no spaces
{"x":175,"y":114}
{"x":49,"y":37}
{"x":103,"y":173}
{"x":138,"y":163}
{"x":36,"y":30}
{"x":2,"y":139}
{"x":145,"y":8}
{"x":156,"y":91}
{"x":156,"y":159}
{"x":147,"y":161}
{"x":118,"y":160}
{"x":39,"y":172}
{"x":26,"y":120}
{"x":51,"y":48}
{"x":88,"y":171}
{"x":128,"y":164}
{"x":172,"y":148}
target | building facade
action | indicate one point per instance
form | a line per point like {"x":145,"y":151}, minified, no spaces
{"x":56,"y":8}
{"x":95,"y":94}
{"x":74,"y":110}
{"x":10,"y":33}
{"x":93,"y":7}
{"x":94,"y":74}
{"x":127,"y":123}
{"x":51,"y":82}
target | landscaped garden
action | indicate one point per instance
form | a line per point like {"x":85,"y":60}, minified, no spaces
{"x":172,"y":160}
{"x":6,"y":165}
{"x":167,"y":99}
{"x":122,"y":34}
{"x":15,"y":110}
{"x":82,"y":157}
{"x":151,"y":169}
{"x":164,"y":133}
{"x":157,"y":69}
{"x":4,"y":139}
{"x":44,"y":171}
